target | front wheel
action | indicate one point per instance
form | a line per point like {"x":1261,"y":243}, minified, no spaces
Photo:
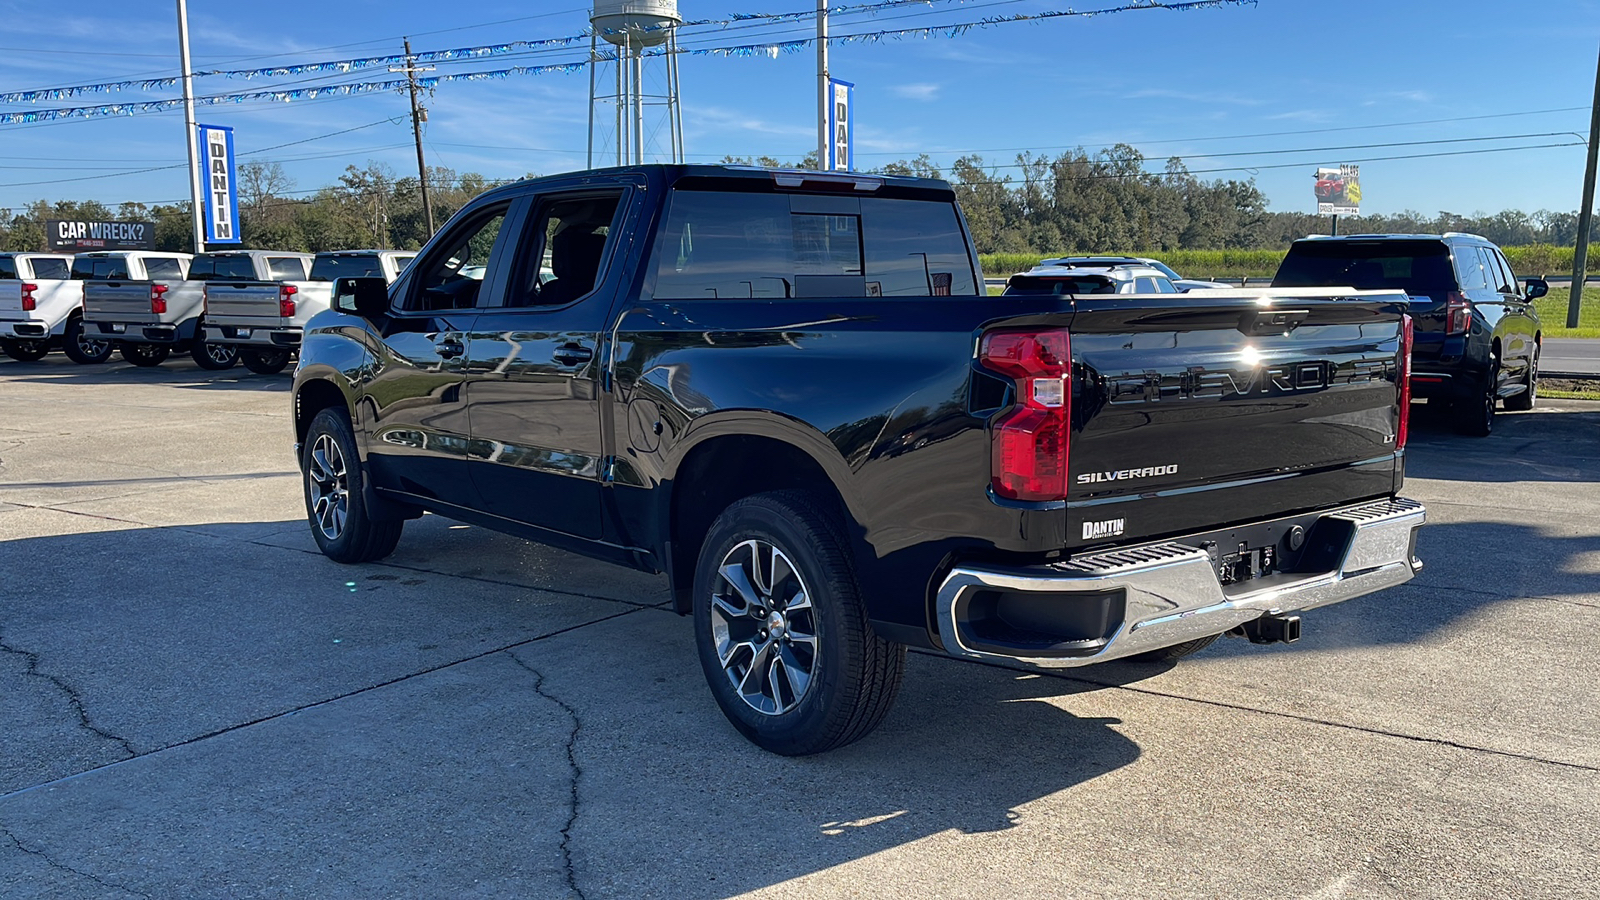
{"x":212,"y":357}
{"x":782,"y":632}
{"x":332,"y":477}
{"x":81,"y":348}
{"x":145,"y":355}
{"x":264,"y":362}
{"x":24,"y":351}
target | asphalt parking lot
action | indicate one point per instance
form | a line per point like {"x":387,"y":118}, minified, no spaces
{"x":195,"y":703}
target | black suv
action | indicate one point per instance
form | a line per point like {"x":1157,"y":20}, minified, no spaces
{"x":1477,"y":336}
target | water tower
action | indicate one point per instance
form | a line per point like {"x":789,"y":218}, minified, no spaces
{"x":638,"y":31}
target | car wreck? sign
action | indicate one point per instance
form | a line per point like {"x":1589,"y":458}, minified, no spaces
{"x":77,"y":234}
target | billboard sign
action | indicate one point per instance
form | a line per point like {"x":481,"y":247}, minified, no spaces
{"x":220,"y":184}
{"x":841,"y":148}
{"x":72,"y":235}
{"x":1339,"y":191}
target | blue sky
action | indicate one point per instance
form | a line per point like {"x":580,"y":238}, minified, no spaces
{"x":1219,"y":87}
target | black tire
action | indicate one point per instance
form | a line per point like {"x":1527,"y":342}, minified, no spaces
{"x":1176,"y":651}
{"x":1474,"y":415}
{"x":81,"y":348}
{"x":1527,"y":399}
{"x":264,"y":362}
{"x":332,"y":481}
{"x":145,"y":355}
{"x":23,"y":350}
{"x":212,"y":357}
{"x":853,"y":675}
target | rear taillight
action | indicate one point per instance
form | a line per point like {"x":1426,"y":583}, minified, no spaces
{"x":286,"y":294}
{"x":158,"y":299}
{"x":1457,"y":313}
{"x":28,"y":303}
{"x":1403,"y":431}
{"x":1028,"y":445}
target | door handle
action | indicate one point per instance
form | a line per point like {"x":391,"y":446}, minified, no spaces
{"x":450,"y":349}
{"x":572,"y":355}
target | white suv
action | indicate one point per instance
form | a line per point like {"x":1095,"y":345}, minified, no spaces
{"x":1091,"y":277}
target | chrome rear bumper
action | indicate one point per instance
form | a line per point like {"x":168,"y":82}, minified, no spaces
{"x":1171,"y":593}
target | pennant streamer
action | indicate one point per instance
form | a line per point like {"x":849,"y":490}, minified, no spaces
{"x":771,"y":50}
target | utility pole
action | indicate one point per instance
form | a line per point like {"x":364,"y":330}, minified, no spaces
{"x":1580,"y":259}
{"x":418,"y":116}
{"x":823,"y":138}
{"x":196,"y":194}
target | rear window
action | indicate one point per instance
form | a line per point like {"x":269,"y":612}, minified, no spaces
{"x":330,"y":268}
{"x":1057,"y":286}
{"x":735,"y":245}
{"x":160,"y":267}
{"x":100,"y":268}
{"x":8,"y":267}
{"x":286,"y":268}
{"x":1416,"y":267}
{"x":50,"y":269}
{"x":221,"y":267}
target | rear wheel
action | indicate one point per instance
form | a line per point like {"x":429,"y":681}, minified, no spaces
{"x":1176,"y":651}
{"x":215,"y":357}
{"x":1474,"y":415}
{"x":80,"y":347}
{"x":1525,"y":401}
{"x":145,"y":355}
{"x":332,"y":476}
{"x":782,"y":632}
{"x":24,"y":351}
{"x":264,"y":362}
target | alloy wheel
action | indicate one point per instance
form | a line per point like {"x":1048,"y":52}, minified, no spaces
{"x":328,"y":482}
{"x":91,"y":347}
{"x":764,"y":627}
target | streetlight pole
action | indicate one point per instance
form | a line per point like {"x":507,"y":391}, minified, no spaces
{"x":196,"y":193}
{"x":823,"y":137}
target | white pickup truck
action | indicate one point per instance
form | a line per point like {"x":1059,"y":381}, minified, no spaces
{"x":246,"y":294}
{"x":142,"y":301}
{"x":41,"y":307}
{"x":263,"y":318}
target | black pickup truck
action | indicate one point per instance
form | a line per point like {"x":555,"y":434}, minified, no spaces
{"x":788,"y":392}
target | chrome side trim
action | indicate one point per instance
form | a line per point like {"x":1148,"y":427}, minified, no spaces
{"x":1174,"y":595}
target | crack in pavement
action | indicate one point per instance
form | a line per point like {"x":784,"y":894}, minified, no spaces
{"x":1239,"y":707}
{"x":572,"y":766}
{"x":72,"y":696}
{"x":334,"y":699}
{"x":55,"y":864}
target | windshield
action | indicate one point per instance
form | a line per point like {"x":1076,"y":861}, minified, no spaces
{"x":330,"y":268}
{"x":1416,"y":267}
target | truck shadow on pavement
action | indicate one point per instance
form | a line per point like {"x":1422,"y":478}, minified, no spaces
{"x":176,"y":372}
{"x":1546,"y":444}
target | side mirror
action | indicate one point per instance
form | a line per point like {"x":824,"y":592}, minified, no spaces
{"x":1536,"y":288}
{"x":367,"y":297}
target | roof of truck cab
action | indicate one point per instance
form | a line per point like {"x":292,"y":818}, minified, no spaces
{"x":672,"y":173}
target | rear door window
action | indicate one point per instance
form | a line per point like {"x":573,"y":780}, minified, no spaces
{"x":1508,"y":279}
{"x":774,"y":246}
{"x":50,"y":269}
{"x":564,"y":253}
{"x":286,"y":268}
{"x":1144,"y":284}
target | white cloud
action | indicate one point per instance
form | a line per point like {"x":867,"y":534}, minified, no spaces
{"x":921,"y":91}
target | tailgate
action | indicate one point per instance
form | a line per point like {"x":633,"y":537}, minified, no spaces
{"x":11,"y":299}
{"x":242,"y":303}
{"x":117,"y":301}
{"x":1193,"y":411}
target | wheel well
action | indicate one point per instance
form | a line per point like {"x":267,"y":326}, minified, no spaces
{"x":719,"y":473}
{"x":312,"y":398}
